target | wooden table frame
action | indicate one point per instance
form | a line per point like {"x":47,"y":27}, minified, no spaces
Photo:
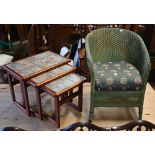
{"x":66,"y":97}
{"x":15,"y":78}
{"x":37,"y":86}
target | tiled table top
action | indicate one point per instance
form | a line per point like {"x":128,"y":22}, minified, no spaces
{"x":64,"y":84}
{"x":51,"y":75}
{"x":39,"y":63}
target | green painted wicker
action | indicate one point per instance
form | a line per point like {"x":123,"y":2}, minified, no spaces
{"x":114,"y":44}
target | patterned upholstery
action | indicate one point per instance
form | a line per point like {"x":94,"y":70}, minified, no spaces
{"x":120,"y":76}
{"x":114,"y":45}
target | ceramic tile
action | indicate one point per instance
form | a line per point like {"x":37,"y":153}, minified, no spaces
{"x":65,"y":82}
{"x":51,"y":60}
{"x":25,"y":70}
{"x":36,"y":63}
{"x":51,"y":74}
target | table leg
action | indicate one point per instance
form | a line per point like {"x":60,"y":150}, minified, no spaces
{"x":57,"y":111}
{"x":70,"y":93}
{"x":25,"y":97}
{"x":38,"y":99}
{"x":80,"y":96}
{"x":11,"y":87}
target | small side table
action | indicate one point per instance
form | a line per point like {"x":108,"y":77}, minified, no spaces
{"x":27,"y":68}
{"x":62,"y":90}
{"x":45,"y":78}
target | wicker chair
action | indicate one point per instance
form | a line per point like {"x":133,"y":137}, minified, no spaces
{"x":115,"y":45}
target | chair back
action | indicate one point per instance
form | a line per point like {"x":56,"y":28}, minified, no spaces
{"x":79,"y":126}
{"x":138,"y":125}
{"x":114,"y":44}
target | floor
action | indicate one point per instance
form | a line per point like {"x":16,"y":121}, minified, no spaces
{"x":10,"y":115}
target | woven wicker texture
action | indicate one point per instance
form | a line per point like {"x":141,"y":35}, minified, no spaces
{"x":114,"y":44}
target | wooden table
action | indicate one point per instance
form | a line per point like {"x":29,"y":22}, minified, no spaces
{"x":25,"y":69}
{"x":62,"y":90}
{"x":43,"y":79}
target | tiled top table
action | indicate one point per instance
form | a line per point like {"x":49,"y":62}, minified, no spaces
{"x":59,"y":86}
{"x":25,"y":69}
{"x":35,"y":65}
{"x":51,"y":75}
{"x":62,"y":90}
{"x":45,"y":78}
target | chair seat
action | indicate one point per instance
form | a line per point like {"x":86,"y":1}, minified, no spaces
{"x":117,"y":76}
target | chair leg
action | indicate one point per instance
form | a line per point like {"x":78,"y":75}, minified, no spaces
{"x":140,"y":112}
{"x":91,"y":111}
{"x":141,"y":107}
{"x":90,"y":117}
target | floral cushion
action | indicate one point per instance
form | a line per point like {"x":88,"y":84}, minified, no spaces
{"x":117,"y":76}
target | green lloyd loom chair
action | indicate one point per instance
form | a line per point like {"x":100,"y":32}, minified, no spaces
{"x":119,"y":65}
